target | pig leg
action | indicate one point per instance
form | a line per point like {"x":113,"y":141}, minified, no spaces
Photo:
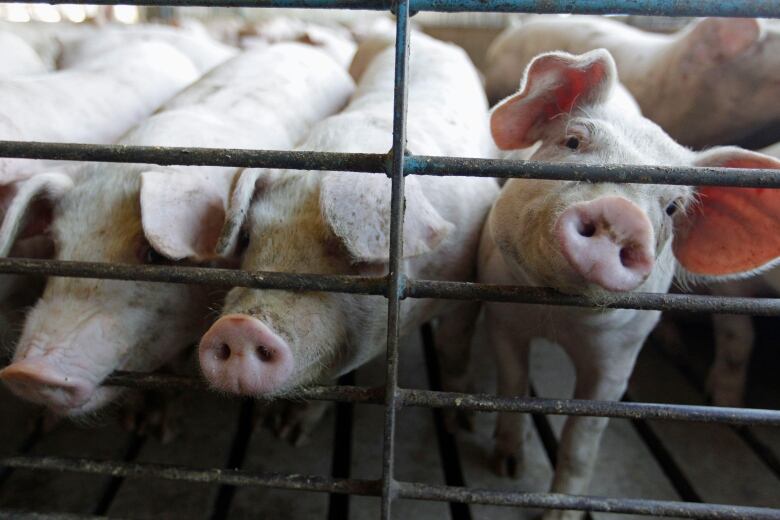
{"x":453,"y":345}
{"x":734,"y":336}
{"x":512,"y":429}
{"x":581,"y":436}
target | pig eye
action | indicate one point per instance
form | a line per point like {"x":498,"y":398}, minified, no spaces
{"x":148,"y":255}
{"x":573,"y":143}
{"x":672,"y":208}
{"x":243,"y":241}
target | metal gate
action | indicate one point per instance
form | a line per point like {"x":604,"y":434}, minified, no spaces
{"x":397,"y":163}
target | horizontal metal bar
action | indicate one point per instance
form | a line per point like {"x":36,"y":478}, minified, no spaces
{"x":185,"y":156}
{"x":17,"y":514}
{"x":197,"y":275}
{"x":409,"y":490}
{"x":743,"y":8}
{"x":482,"y":402}
{"x":627,"y":173}
{"x":378,"y":286}
{"x":628,"y":300}
{"x":378,"y":163}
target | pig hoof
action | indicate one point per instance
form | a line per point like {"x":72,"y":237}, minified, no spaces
{"x":294,"y":422}
{"x":150,"y":416}
{"x":563,"y":515}
{"x":455,"y":420}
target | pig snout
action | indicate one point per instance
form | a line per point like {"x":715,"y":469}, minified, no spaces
{"x":40,"y":382}
{"x":608,"y":241}
{"x":241,"y":355}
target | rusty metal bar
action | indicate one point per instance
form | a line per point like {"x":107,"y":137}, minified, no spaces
{"x":18,"y":514}
{"x":378,"y":286}
{"x":409,"y":490}
{"x":378,"y":163}
{"x":409,"y":397}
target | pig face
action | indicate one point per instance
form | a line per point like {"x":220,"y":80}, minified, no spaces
{"x":270,"y":341}
{"x":81,"y":329}
{"x":591,"y":238}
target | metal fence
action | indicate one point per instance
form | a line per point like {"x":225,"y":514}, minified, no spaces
{"x":396,"y":286}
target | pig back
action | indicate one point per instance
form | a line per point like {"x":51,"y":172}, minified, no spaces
{"x":18,"y":57}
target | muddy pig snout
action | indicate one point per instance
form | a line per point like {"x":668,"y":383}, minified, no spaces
{"x":608,"y":241}
{"x":242,"y":355}
{"x":43,"y":383}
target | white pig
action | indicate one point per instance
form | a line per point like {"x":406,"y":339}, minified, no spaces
{"x":201,"y":49}
{"x":18,"y":58}
{"x":273,"y":341}
{"x":714,"y":82}
{"x":81,"y":330}
{"x":591,"y":239}
{"x":734,"y":334}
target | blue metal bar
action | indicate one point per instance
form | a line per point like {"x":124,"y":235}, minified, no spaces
{"x":395,"y":277}
{"x":729,"y":8}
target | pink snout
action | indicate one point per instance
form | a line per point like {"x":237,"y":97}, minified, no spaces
{"x":241,"y":355}
{"x":608,"y":241}
{"x":38,"y":381}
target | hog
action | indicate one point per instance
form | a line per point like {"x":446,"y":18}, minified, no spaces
{"x":48,"y":39}
{"x":269,"y":342}
{"x":593,"y":239}
{"x":693,"y":83}
{"x":81,"y":330}
{"x":333,"y":39}
{"x":18,"y":58}
{"x":202,"y":50}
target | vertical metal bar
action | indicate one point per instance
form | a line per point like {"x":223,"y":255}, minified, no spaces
{"x":395,"y":276}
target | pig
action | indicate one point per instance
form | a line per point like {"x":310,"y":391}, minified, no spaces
{"x":694,"y":83}
{"x":81,"y":330}
{"x":204,"y":52}
{"x":18,"y":58}
{"x":268,"y":342}
{"x":94,"y":103}
{"x":335,"y":40}
{"x":594,"y":239}
{"x":48,"y":39}
{"x":734,"y":334}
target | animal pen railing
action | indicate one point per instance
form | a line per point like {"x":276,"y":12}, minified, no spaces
{"x":396,"y":286}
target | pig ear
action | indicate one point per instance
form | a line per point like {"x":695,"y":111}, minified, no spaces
{"x":182,"y":213}
{"x":553,"y":84}
{"x":357,"y":208}
{"x":245,"y":184}
{"x":25,"y":206}
{"x":715,"y":40}
{"x":731,"y":231}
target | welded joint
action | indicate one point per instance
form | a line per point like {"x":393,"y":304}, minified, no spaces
{"x":388,"y":163}
{"x":394,"y":9}
{"x":400,"y":288}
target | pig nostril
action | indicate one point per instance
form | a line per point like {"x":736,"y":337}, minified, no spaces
{"x":264,"y":353}
{"x":224,"y":352}
{"x":586,"y":229}
{"x":629,"y":257}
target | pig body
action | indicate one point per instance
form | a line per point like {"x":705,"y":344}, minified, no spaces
{"x":276,"y":341}
{"x":18,"y":58}
{"x":693,"y":83}
{"x":82,"y":330}
{"x":593,"y":239}
{"x":202,"y":50}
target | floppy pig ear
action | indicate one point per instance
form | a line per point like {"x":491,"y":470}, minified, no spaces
{"x":731,"y":230}
{"x":25,"y":206}
{"x":245,"y":184}
{"x":553,"y":84}
{"x":182,"y":213}
{"x":715,"y":40}
{"x":357,"y":208}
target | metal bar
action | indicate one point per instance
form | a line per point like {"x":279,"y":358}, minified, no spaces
{"x":197,"y":275}
{"x":377,"y":286}
{"x":395,"y":278}
{"x":377,"y":163}
{"x":636,"y":174}
{"x":630,"y":300}
{"x":408,"y":397}
{"x":410,"y":490}
{"x":188,"y":156}
{"x":16,"y":514}
{"x":743,"y":8}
